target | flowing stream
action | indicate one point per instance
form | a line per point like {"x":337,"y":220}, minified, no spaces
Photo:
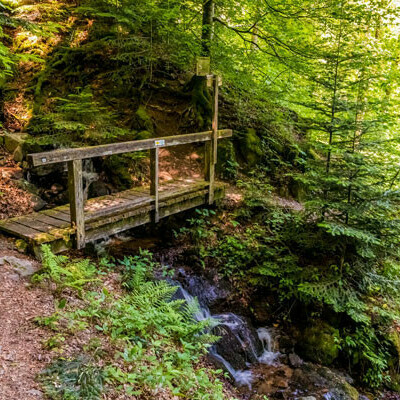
{"x":254,"y":347}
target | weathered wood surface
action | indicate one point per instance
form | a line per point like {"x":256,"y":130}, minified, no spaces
{"x":108,"y":215}
{"x":63,"y":155}
{"x":75,"y":187}
{"x":154,"y":179}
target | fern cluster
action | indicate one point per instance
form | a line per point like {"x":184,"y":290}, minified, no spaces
{"x":156,"y":335}
{"x":64,"y":273}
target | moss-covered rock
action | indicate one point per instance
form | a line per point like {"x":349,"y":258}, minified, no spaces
{"x":250,"y":147}
{"x":143,"y":120}
{"x":320,"y":343}
{"x":13,"y":140}
{"x":21,"y":246}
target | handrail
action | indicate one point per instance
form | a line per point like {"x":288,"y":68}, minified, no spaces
{"x":80,"y":153}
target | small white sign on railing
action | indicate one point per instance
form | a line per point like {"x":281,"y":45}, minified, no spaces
{"x":159,"y":143}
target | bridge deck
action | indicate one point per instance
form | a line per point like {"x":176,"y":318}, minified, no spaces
{"x":108,"y":215}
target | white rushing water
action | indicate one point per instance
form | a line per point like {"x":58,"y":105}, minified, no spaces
{"x":269,"y":355}
{"x":241,"y":331}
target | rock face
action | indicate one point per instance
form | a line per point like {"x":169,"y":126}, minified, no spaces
{"x":21,"y":266}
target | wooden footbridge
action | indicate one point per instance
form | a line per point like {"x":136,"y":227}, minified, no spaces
{"x":80,"y":222}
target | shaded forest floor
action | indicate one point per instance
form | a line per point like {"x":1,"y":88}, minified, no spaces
{"x":22,"y":355}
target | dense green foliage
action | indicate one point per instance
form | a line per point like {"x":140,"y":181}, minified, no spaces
{"x":142,"y":327}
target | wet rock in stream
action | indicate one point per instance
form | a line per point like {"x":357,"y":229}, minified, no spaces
{"x":208,"y":293}
{"x":308,"y":380}
{"x":239,"y":343}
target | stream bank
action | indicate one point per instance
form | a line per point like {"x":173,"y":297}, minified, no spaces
{"x":261,"y":359}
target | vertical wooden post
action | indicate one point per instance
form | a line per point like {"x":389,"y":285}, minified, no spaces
{"x":211,"y":147}
{"x":154,"y":165}
{"x":75,"y":185}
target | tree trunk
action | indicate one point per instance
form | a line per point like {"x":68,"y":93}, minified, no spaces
{"x":207,"y":27}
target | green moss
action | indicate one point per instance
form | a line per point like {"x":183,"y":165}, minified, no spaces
{"x":250,"y":147}
{"x":320,"y":343}
{"x":350,"y":391}
{"x":21,"y":246}
{"x":143,"y":120}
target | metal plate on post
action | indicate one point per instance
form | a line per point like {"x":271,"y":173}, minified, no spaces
{"x":159,"y":143}
{"x":203,"y":66}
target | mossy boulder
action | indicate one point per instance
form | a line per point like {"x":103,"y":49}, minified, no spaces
{"x":143,"y":120}
{"x":250,"y":147}
{"x":21,"y":246}
{"x":320,"y":343}
{"x":13,"y":140}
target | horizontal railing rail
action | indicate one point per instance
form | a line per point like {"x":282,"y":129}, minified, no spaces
{"x":80,"y":153}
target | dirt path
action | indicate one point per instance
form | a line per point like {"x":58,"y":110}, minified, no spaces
{"x":21,"y":351}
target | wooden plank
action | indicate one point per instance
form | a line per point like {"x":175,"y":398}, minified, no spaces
{"x":191,"y":188}
{"x":55,"y":213}
{"x":35,"y":223}
{"x":12,"y":227}
{"x":75,"y":185}
{"x":154,"y":181}
{"x":106,"y":211}
{"x":64,"y":155}
{"x":109,"y":213}
{"x":120,"y":226}
{"x":132,"y":195}
{"x":93,"y":225}
{"x":54,"y":222}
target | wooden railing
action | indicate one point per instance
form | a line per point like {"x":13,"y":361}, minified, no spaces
{"x":74,"y":157}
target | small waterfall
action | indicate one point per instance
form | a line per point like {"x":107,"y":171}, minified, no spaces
{"x":269,"y":355}
{"x":230,"y":325}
